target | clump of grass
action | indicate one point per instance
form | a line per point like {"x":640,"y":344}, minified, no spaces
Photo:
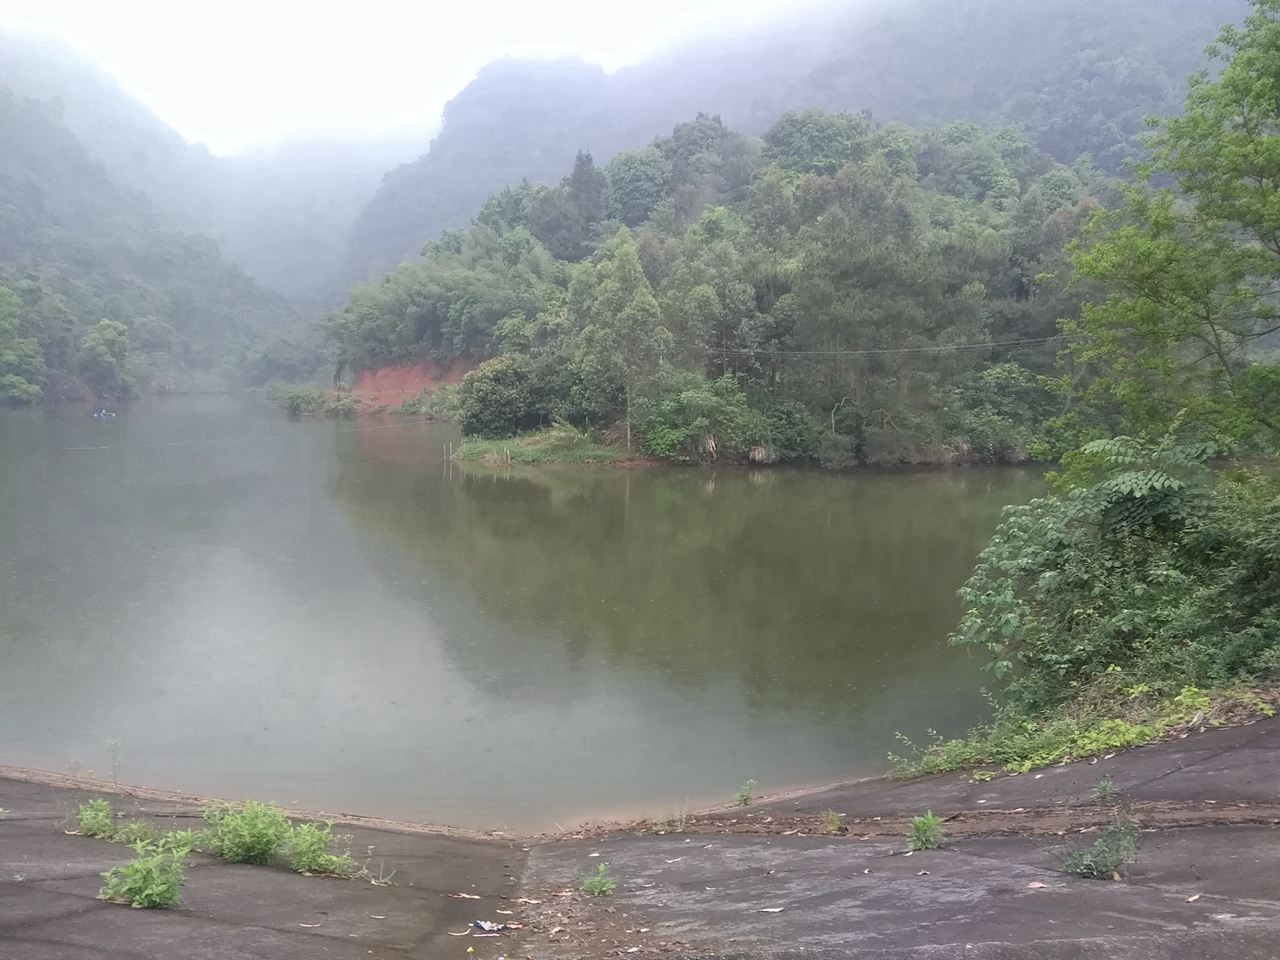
{"x":307,"y":848}
{"x":832,"y":822}
{"x":1104,"y":790}
{"x":600,"y":883}
{"x":154,"y":878}
{"x":1108,"y":857}
{"x":96,"y":820}
{"x":926,"y":832}
{"x":1111,"y":714}
{"x":557,"y":444}
{"x":249,"y":835}
{"x":746,"y":794}
{"x":981,"y":776}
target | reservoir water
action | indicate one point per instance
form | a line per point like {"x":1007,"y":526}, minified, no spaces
{"x":333,"y":615}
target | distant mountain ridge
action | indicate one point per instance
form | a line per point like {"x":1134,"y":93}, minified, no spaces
{"x":1080,"y":75}
{"x":282,"y":213}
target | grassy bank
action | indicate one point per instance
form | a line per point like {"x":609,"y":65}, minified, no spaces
{"x":557,"y":444}
{"x":1111,"y":716}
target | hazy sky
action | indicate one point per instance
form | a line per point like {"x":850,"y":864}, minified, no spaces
{"x":232,"y":72}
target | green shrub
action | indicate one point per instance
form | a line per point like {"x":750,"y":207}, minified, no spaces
{"x":154,"y":878}
{"x":746,"y":794}
{"x":307,"y":848}
{"x":793,"y":432}
{"x":1108,"y":857}
{"x":344,"y":406}
{"x":1158,"y":570}
{"x":926,"y":832}
{"x":600,"y":883}
{"x":496,"y":399}
{"x":96,"y":820}
{"x":690,"y":418}
{"x":297,"y":400}
{"x":249,"y":835}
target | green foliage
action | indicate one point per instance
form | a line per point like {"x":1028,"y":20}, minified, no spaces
{"x":847,"y":278}
{"x":1108,"y":857}
{"x":105,"y":360}
{"x":1104,"y":790}
{"x":77,"y":250}
{"x":251,"y":834}
{"x":154,"y":878}
{"x":1152,"y":570}
{"x":637,"y":181}
{"x":307,"y":847}
{"x":95,"y":819}
{"x":21,"y":359}
{"x":298,"y":400}
{"x":599,"y":883}
{"x":692,"y":418}
{"x":746,"y":794}
{"x":496,"y":399}
{"x":926,"y":832}
{"x":1112,"y":714}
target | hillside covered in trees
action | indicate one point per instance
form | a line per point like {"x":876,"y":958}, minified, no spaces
{"x":1077,"y":75}
{"x":835,"y":290}
{"x":95,"y":296}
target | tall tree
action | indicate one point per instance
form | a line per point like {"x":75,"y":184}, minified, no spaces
{"x":622,"y":327}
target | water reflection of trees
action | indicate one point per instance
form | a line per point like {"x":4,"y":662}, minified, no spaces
{"x":804,"y":585}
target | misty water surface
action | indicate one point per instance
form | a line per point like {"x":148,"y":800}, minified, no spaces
{"x":331,"y":614}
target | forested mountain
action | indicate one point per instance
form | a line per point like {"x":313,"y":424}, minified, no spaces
{"x":836,"y":290}
{"x":1078,"y":75}
{"x":93,"y":290}
{"x":283,"y":212}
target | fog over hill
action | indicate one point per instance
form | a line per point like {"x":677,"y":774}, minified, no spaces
{"x":308,"y":216}
{"x":282,"y":212}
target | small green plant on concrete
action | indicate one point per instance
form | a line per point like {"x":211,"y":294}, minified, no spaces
{"x":1104,"y":790}
{"x":307,"y":848}
{"x":600,"y":883}
{"x":180,"y":842}
{"x":926,"y":832}
{"x":250,"y":835}
{"x":153,"y":878}
{"x":95,"y":819}
{"x":1108,"y":857}
{"x":747,"y":793}
{"x":134,"y":831}
{"x":981,"y":776}
{"x":832,"y":822}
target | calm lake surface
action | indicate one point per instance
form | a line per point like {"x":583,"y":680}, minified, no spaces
{"x":332,"y":614}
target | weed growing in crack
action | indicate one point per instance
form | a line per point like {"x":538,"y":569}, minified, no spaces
{"x":1108,"y":857}
{"x":96,"y":820}
{"x":747,"y":793}
{"x":153,"y":878}
{"x":926,"y":832}
{"x":250,"y":835}
{"x":832,"y":822}
{"x":600,"y":883}
{"x":307,"y":848}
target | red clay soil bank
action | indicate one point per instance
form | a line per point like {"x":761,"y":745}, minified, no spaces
{"x":394,"y":385}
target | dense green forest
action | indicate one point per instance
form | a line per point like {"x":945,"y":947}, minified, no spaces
{"x":96,"y":298}
{"x":1077,"y":75}
{"x":835,"y":290}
